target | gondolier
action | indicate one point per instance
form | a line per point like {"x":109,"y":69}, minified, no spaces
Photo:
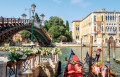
{"x":97,"y":50}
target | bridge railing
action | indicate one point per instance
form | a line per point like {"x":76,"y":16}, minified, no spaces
{"x":13,"y":20}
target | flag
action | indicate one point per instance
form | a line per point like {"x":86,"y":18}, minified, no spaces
{"x":98,"y":26}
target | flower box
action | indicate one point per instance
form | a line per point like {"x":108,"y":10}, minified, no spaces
{"x":38,"y":54}
{"x":11,"y":64}
{"x":19,"y":62}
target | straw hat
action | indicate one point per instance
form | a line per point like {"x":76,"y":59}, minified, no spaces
{"x":98,"y":47}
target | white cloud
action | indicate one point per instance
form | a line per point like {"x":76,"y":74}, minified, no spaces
{"x":58,"y":1}
{"x":80,"y":3}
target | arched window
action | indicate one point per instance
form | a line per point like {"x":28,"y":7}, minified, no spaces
{"x":113,"y":18}
{"x":108,"y":17}
{"x":94,"y":18}
{"x":102,"y":18}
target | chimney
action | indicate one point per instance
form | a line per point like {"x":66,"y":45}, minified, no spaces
{"x":98,"y":10}
{"x":104,"y":9}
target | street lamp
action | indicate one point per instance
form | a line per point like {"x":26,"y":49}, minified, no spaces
{"x":24,"y":16}
{"x":33,"y":6}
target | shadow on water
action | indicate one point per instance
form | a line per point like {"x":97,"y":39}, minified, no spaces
{"x":115,"y":67}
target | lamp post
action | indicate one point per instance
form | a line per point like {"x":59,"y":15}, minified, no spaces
{"x":33,"y":6}
{"x":42,"y":16}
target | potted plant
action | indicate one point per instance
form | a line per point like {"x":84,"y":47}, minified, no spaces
{"x":38,"y":52}
{"x":12,"y":61}
{"x":56,"y":51}
{"x":18,"y":58}
{"x":45,"y":50}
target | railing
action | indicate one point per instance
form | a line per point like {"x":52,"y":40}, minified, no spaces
{"x":13,"y":20}
{"x":30,"y":63}
{"x":17,"y":68}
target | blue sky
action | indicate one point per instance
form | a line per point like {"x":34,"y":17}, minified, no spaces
{"x":69,"y":9}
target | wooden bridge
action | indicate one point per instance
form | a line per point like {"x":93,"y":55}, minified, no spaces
{"x":10,"y":26}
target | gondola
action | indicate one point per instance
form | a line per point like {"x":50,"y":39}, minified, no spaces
{"x":112,"y":74}
{"x":74,"y":67}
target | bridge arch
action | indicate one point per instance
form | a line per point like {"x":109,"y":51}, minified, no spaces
{"x":7,"y":30}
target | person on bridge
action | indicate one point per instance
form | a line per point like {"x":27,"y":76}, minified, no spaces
{"x":97,"y":50}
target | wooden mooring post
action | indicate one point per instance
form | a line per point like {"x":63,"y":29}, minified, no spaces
{"x":114,"y":46}
{"x":90,"y":55}
{"x":102,"y":51}
{"x":81,"y":49}
{"x":108,"y":54}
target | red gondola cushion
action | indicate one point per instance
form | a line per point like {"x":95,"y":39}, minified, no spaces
{"x":70,"y":67}
{"x":78,"y":68}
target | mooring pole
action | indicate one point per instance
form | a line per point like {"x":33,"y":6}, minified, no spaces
{"x":102,"y":52}
{"x":108,"y":54}
{"x":81,"y":49}
{"x":90,"y":55}
{"x":114,"y":56}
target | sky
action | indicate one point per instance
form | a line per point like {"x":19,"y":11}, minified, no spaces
{"x":68,"y":9}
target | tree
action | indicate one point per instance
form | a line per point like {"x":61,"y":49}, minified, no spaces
{"x":25,"y":34}
{"x":37,"y":19}
{"x":67,"y":25}
{"x":56,"y":27}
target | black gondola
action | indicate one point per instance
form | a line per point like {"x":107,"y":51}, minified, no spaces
{"x":74,"y":67}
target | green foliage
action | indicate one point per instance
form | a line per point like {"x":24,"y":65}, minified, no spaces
{"x":15,"y":56}
{"x":67,"y":25}
{"x":8,"y":41}
{"x":25,"y":34}
{"x":17,"y":40}
{"x":57,"y":50}
{"x":56,"y":27}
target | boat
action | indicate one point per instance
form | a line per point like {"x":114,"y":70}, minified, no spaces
{"x":112,"y":74}
{"x":74,"y":67}
{"x":87,"y":59}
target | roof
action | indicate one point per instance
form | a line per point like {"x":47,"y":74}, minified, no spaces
{"x":101,"y":12}
{"x":77,"y":21}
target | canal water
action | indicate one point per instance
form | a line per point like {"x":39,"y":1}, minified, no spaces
{"x":115,"y":67}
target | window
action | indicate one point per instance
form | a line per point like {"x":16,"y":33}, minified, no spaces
{"x":119,"y":29}
{"x":110,"y":28}
{"x":95,"y":35}
{"x":77,"y":28}
{"x":102,"y":28}
{"x":77,"y":37}
{"x":113,"y":17}
{"x":95,"y":18}
{"x":106,"y":17}
{"x":102,"y":18}
{"x":94,"y":40}
{"x":119,"y":18}
{"x":102,"y":36}
{"x":110,"y":18}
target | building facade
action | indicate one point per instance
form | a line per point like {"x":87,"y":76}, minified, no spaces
{"x":76,"y":30}
{"x":102,"y":25}
{"x":16,"y":37}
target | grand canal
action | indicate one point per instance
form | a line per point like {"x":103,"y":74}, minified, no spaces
{"x":113,"y":65}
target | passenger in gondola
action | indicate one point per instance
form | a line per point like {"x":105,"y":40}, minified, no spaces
{"x":97,"y":69}
{"x":105,"y":71}
{"x":97,"y":50}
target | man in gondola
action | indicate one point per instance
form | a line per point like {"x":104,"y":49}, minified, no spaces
{"x":97,"y":50}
